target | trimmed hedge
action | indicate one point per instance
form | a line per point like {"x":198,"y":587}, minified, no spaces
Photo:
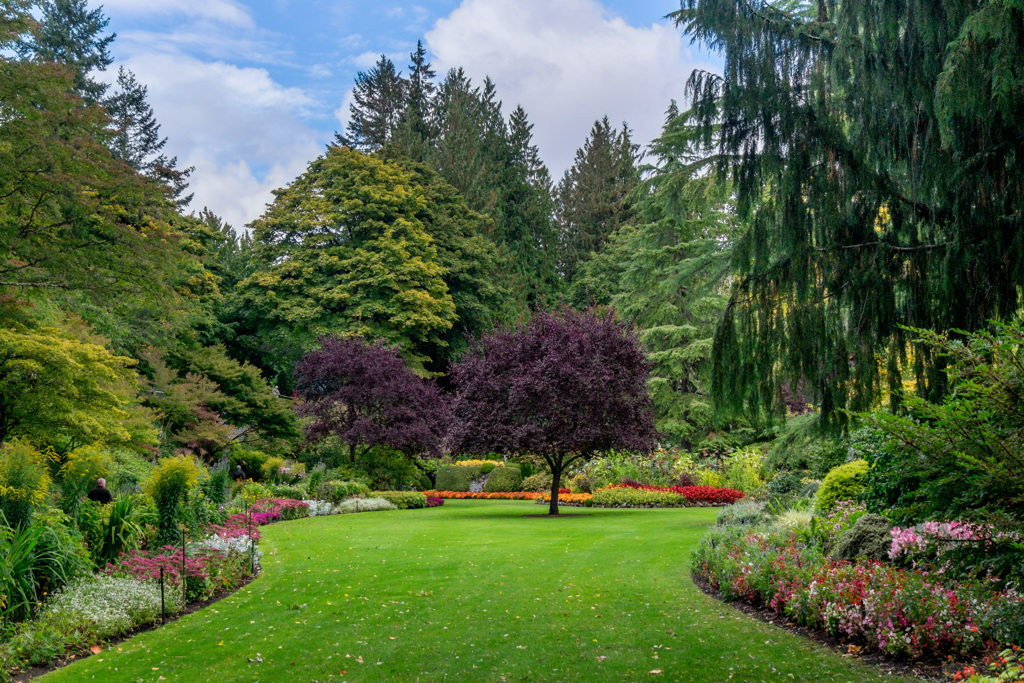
{"x":503,"y":479}
{"x":456,"y":477}
{"x":845,"y":482}
{"x":403,"y":500}
{"x":337,"y":491}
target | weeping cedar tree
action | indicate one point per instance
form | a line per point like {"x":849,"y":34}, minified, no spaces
{"x":366,"y":396}
{"x":877,"y":153}
{"x":565,"y":386}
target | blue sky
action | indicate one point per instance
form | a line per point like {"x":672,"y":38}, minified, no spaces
{"x":249,"y":91}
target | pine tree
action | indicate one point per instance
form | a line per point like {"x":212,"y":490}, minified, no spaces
{"x":877,"y":157}
{"x":380,"y":96}
{"x":137,"y":134}
{"x":591,"y":199}
{"x":69,"y":33}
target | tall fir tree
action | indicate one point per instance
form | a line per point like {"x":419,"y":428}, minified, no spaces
{"x":415,"y":132}
{"x":527,"y":233}
{"x":69,"y":33}
{"x":591,"y":200}
{"x":877,"y":157}
{"x":379,"y":99}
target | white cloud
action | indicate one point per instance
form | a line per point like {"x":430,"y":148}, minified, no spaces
{"x":220,"y":11}
{"x":243,"y":132}
{"x":568,"y":62}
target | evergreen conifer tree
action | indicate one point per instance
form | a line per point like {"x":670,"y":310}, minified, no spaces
{"x":415,"y":132}
{"x":69,"y":33}
{"x":379,"y":101}
{"x":877,"y":156}
{"x":591,"y":199}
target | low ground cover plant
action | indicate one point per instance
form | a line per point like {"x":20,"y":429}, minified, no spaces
{"x":403,"y":500}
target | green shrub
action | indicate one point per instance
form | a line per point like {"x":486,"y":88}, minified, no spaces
{"x":316,"y":476}
{"x":743,"y":467}
{"x":24,"y":481}
{"x":845,"y":482}
{"x":168,"y":486}
{"x":535,"y":482}
{"x":78,"y":475}
{"x":457,"y":477}
{"x":870,"y":538}
{"x":425,"y":483}
{"x":627,"y":497}
{"x":67,"y":551}
{"x":783,"y":484}
{"x":503,"y":479}
{"x":289,"y":492}
{"x":337,"y":491}
{"x":487,"y":467}
{"x":251,"y":462}
{"x":130,"y":470}
{"x":743,"y":512}
{"x":403,"y":500}
{"x":270,"y":470}
{"x":217,"y":486}
{"x":388,"y":470}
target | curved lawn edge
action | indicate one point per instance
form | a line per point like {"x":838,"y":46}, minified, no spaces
{"x":614,"y":601}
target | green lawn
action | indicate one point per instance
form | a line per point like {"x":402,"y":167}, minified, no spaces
{"x":473,"y":591}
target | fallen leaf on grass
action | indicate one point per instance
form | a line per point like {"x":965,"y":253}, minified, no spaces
{"x":654,"y":671}
{"x":854,"y":649}
{"x":601,"y":658}
{"x":95,"y":649}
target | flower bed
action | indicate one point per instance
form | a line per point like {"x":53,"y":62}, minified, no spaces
{"x":899,"y":612}
{"x":694,"y":494}
{"x":497,"y":495}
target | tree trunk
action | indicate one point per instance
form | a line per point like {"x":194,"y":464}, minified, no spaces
{"x":352,"y":453}
{"x":556,"y":479}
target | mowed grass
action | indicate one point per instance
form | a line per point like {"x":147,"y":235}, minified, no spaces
{"x":473,"y":591}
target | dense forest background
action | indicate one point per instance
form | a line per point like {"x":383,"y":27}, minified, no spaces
{"x":775,"y":247}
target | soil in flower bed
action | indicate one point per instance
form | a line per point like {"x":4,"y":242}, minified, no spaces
{"x":71,"y":657}
{"x":923,"y":670}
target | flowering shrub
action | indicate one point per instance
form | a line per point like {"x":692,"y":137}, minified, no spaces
{"x":281,"y":508}
{"x":931,"y":540}
{"x":433,"y":502}
{"x":896,"y":611}
{"x":570,"y":498}
{"x":479,"y":463}
{"x":843,"y":515}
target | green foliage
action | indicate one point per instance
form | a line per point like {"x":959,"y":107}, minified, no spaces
{"x":24,"y":482}
{"x":802,"y":445}
{"x":388,"y":469}
{"x":845,"y":482}
{"x":270,"y":470}
{"x":656,"y":469}
{"x":337,"y":491}
{"x":113,"y":529}
{"x":292,"y":492}
{"x":457,"y":477}
{"x":743,"y":469}
{"x":403,"y":500}
{"x":634,"y":498}
{"x":342,"y":250}
{"x":217,"y":486}
{"x":33,"y":558}
{"x":251,"y":461}
{"x":541,"y":481}
{"x":130,"y":470}
{"x":857,"y":132}
{"x":868,"y":538}
{"x":78,"y":475}
{"x":503,"y":479}
{"x":784,"y":484}
{"x":53,"y":387}
{"x":68,"y":555}
{"x":962,"y":458}
{"x":745,"y":512}
{"x":168,"y":486}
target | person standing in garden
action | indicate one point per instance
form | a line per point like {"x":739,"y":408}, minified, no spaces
{"x":100,"y":494}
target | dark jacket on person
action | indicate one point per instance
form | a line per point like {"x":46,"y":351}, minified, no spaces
{"x":100,"y":494}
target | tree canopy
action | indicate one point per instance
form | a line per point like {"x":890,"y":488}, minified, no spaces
{"x":877,"y":156}
{"x":563,"y":385}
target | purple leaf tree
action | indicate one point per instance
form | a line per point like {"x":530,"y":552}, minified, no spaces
{"x":365,"y":395}
{"x":564,"y":385}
